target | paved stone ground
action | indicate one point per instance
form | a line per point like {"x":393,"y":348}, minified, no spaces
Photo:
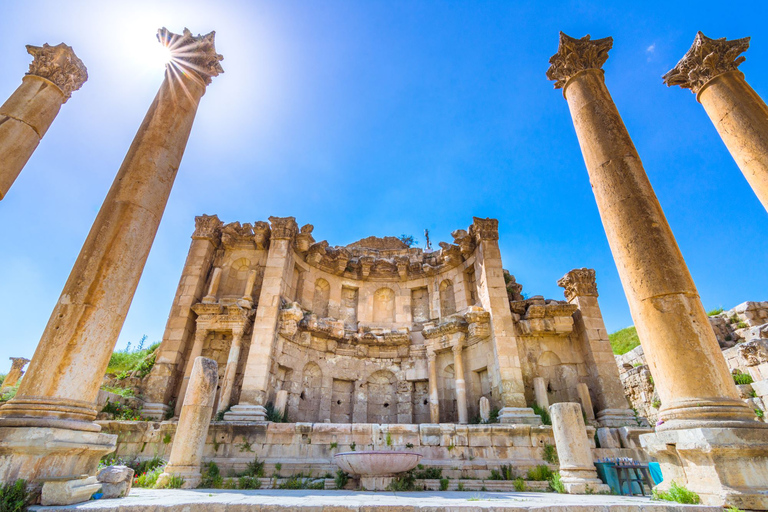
{"x":267,"y":500}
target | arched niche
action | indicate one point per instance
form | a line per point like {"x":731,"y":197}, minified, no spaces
{"x":446,"y":392}
{"x":310,"y":393}
{"x":233,"y":282}
{"x":447,"y":298}
{"x":320,"y":298}
{"x":382,"y":397}
{"x":384,"y":305}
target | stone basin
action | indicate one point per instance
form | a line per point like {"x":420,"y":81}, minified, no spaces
{"x":376,"y":469}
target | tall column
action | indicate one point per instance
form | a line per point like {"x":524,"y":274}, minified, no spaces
{"x":55,"y":73}
{"x":66,"y":371}
{"x":434,"y":397}
{"x":213,"y":289}
{"x":461,"y":387}
{"x":201,"y":333}
{"x":492,"y":295}
{"x":691,"y":376}
{"x":278,"y":273}
{"x":15,"y":373}
{"x":581,"y":290}
{"x":231,"y":371}
{"x":247,"y":300}
{"x":168,"y":369}
{"x":709,"y":70}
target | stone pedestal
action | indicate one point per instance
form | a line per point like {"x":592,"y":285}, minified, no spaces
{"x":739,"y":114}
{"x":376,"y":483}
{"x":577,"y":471}
{"x":485,"y":409}
{"x":724,"y":466}
{"x":54,"y":74}
{"x":187,"y":451}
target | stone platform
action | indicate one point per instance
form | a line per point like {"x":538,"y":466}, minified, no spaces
{"x":202,"y":500}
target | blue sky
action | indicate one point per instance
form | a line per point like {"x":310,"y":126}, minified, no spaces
{"x":379,"y":118}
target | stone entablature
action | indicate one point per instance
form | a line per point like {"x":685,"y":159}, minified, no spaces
{"x":539,"y":317}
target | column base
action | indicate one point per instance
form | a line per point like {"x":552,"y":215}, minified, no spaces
{"x":246,"y":412}
{"x":155,"y":411}
{"x":519,"y":415}
{"x":69,"y":492}
{"x":376,"y":483}
{"x":724,"y":466}
{"x":191,"y":475}
{"x":617,"y":418}
{"x":583,"y":481}
{"x":43,"y":453}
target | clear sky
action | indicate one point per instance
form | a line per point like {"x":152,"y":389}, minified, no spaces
{"x":379,"y":118}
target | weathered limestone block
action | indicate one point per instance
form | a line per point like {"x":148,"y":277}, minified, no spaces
{"x":15,"y":373}
{"x":187,"y":451}
{"x":485,"y":409}
{"x":608,"y":437}
{"x":116,"y":481}
{"x":68,"y":492}
{"x":577,"y":470}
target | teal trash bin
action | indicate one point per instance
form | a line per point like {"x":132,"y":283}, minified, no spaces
{"x":607,"y":473}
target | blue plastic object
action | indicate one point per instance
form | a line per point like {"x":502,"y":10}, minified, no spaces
{"x":655,"y":470}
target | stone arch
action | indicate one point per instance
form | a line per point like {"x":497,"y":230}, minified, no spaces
{"x":384,"y":305}
{"x":382,"y":397}
{"x":310,"y":393}
{"x":320,"y":298}
{"x":447,"y":298}
{"x":561,"y":378}
{"x":233,"y":283}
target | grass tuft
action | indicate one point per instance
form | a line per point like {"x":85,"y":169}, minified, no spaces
{"x":624,"y":340}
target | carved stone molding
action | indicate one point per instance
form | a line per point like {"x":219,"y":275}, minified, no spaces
{"x":465,"y":242}
{"x":484,"y":229}
{"x":60,"y":65}
{"x":196,"y":54}
{"x":283,"y":228}
{"x":578,"y":283}
{"x":706,"y":59}
{"x":208,"y":227}
{"x":574,"y":55}
{"x":234,"y":234}
{"x":261,"y":232}
{"x":304,"y":238}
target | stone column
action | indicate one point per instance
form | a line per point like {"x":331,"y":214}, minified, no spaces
{"x":739,"y":114}
{"x":278,"y":273}
{"x":691,"y":376}
{"x":581,"y":290}
{"x":197,"y":349}
{"x":17,"y":370}
{"x":461,"y":388}
{"x":54,"y":74}
{"x":187,"y":450}
{"x":540,"y":392}
{"x":577,"y":471}
{"x":247,"y":300}
{"x":434,"y":397}
{"x":213,"y":288}
{"x":66,"y":371}
{"x":231,"y":372}
{"x":492,"y":295}
{"x":168,"y":370}
{"x":582,"y":390}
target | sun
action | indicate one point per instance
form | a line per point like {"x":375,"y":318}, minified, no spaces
{"x":161,"y":54}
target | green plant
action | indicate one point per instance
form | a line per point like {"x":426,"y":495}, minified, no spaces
{"x":431,"y":473}
{"x":740,"y":378}
{"x":543,"y":413}
{"x":550,"y":454}
{"x":173,"y":482}
{"x":352,"y":446}
{"x":167,"y":438}
{"x":248,"y":482}
{"x":556,"y":484}
{"x":220,"y":415}
{"x":540,"y":473}
{"x":409,"y":445}
{"x":677,"y":493}
{"x":650,"y":380}
{"x":519,"y":484}
{"x":301,"y":481}
{"x":389,"y":439}
{"x":715,"y":311}
{"x":169,"y":412}
{"x":341,"y":479}
{"x":741,"y":325}
{"x":122,"y":412}
{"x":624,"y":340}
{"x":733,"y":319}
{"x":505,"y":472}
{"x":656,"y":404}
{"x":334,"y":445}
{"x":212,"y":478}
{"x":460,"y":486}
{"x":124,"y":392}
{"x":450,"y":447}
{"x":148,"y":479}
{"x":403,"y":482}
{"x":255,"y":468}
{"x":752,"y":394}
{"x":759,"y":413}
{"x":245,"y":446}
{"x":138,"y":363}
{"x":733,"y":509}
{"x":444,"y":484}
{"x":10,"y":393}
{"x":274,"y":415}
{"x":14,"y":496}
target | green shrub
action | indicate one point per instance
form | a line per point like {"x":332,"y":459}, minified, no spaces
{"x":505,"y":472}
{"x":550,"y":454}
{"x":624,"y":340}
{"x":389,"y":439}
{"x":403,"y":482}
{"x":122,"y":412}
{"x":431,"y":473}
{"x":10,"y":393}
{"x":212,"y":478}
{"x":759,"y":413}
{"x":124,"y":392}
{"x":300,"y":481}
{"x":148,"y":479}
{"x":656,"y":404}
{"x":341,"y":479}
{"x":255,"y":468}
{"x":742,"y":378}
{"x":14,"y":496}
{"x":715,"y":312}
{"x":274,"y":415}
{"x":147,"y":465}
{"x":248,"y":482}
{"x":519,"y":484}
{"x":679,"y":494}
{"x":138,"y":362}
{"x":173,"y":482}
{"x":556,"y":484}
{"x":444,"y":484}
{"x":543,"y":413}
{"x":741,"y":325}
{"x":540,"y":473}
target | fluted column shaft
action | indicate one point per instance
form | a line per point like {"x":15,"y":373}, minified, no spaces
{"x":66,"y":371}
{"x":231,"y":371}
{"x":434,"y":397}
{"x":690,"y":373}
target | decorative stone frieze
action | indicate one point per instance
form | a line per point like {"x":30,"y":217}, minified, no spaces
{"x":60,"y":65}
{"x":706,"y":59}
{"x":208,"y":227}
{"x":195,"y":55}
{"x":218,"y":317}
{"x":383,"y":338}
{"x":323,"y":327}
{"x":261,"y":233}
{"x":451,"y":325}
{"x":539,"y":317}
{"x":479,"y":321}
{"x":236,"y":235}
{"x":575,"y":55}
{"x":283,"y":228}
{"x":579,"y":282}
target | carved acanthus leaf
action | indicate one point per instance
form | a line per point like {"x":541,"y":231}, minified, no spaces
{"x":283,"y":228}
{"x":208,"y":227}
{"x":574,"y":55}
{"x":193,"y":53}
{"x":60,"y":65}
{"x":706,"y":59}
{"x":579,"y":282}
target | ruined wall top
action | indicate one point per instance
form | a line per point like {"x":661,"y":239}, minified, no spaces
{"x":706,"y":59}
{"x":60,"y":65}
{"x":375,"y":242}
{"x":574,"y":55}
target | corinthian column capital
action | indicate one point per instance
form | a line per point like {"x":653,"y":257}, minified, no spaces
{"x":208,"y":227}
{"x":574,"y":55}
{"x":706,"y":59}
{"x":578,"y":283}
{"x":196,"y":54}
{"x":283,"y":228}
{"x":484,"y":229}
{"x":60,"y":65}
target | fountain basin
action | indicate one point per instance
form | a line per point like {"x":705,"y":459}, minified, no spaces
{"x":376,"y":469}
